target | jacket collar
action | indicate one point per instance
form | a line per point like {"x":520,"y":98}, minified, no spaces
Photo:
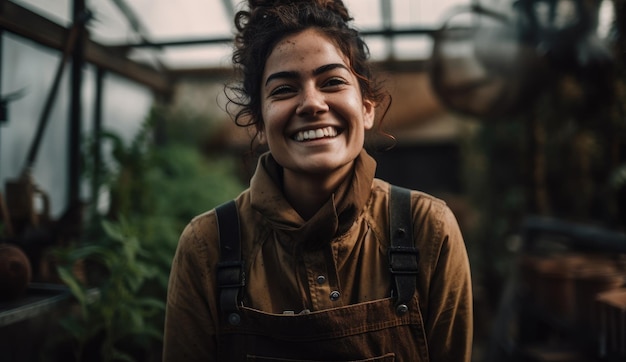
{"x":333,"y":219}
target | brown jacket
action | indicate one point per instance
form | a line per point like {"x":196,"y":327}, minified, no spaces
{"x":294,"y":265}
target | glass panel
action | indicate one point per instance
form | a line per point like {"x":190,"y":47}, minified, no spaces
{"x":366,"y":13}
{"x":421,"y":13}
{"x":166,"y":19}
{"x":109,"y":25}
{"x":59,"y":11}
{"x":414,"y":47}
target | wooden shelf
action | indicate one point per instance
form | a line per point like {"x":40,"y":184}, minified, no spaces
{"x":38,"y":299}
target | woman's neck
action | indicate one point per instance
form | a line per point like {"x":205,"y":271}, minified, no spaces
{"x":308,"y":193}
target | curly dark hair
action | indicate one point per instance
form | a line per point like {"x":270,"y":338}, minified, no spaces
{"x":267,"y":22}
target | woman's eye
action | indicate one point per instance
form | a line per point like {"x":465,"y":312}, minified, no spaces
{"x":335,"y":82}
{"x":281,"y":90}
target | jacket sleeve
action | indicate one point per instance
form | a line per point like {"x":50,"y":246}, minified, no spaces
{"x":449,"y":319}
{"x":190,"y":324}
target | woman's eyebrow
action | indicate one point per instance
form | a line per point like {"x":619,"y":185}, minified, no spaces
{"x":283,"y":75}
{"x":329,"y":67}
{"x":295,"y":75}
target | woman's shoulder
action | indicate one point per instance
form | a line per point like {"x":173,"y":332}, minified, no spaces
{"x":197,"y":235}
{"x":202,"y":230}
{"x":429,"y":212}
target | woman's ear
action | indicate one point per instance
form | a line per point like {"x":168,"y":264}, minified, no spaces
{"x":369,"y":113}
{"x":261,"y":136}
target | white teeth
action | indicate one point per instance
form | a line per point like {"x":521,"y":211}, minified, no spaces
{"x":315,"y":134}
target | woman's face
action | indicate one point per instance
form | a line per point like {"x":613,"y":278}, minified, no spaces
{"x":313,"y":112}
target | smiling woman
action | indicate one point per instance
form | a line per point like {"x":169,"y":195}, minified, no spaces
{"x":310,"y":89}
{"x":317,"y":260}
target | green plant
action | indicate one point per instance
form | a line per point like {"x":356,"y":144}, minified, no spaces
{"x":116,"y":310}
{"x":154,"y":191}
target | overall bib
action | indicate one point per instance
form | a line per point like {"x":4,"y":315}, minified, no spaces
{"x":390,"y":329}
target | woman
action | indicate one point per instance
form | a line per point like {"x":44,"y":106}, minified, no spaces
{"x":308,"y":276}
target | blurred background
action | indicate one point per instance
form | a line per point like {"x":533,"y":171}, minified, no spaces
{"x":113,"y":135}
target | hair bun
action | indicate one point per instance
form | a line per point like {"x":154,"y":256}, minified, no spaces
{"x":336,"y":6}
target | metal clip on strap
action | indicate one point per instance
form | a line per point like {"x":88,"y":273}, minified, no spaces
{"x":403,"y":256}
{"x":230,"y":270}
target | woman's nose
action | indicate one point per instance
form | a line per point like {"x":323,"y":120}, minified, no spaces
{"x":312,"y":101}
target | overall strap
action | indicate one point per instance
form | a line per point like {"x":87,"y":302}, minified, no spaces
{"x":230,"y":269}
{"x":403,"y":256}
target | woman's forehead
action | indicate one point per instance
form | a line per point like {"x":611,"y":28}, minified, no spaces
{"x":308,"y":48}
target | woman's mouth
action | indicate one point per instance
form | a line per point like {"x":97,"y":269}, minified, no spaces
{"x":314,"y":134}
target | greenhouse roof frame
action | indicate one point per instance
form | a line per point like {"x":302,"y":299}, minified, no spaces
{"x":24,"y":19}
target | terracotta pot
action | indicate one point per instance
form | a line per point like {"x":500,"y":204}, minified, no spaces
{"x":15,"y":272}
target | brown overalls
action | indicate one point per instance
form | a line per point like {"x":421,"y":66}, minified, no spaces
{"x":370,"y":331}
{"x":390,"y":329}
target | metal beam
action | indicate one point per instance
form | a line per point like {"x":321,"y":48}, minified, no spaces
{"x":75,"y":117}
{"x":29,"y":25}
{"x":226,"y":40}
{"x":131,"y":18}
{"x":174,"y":43}
{"x":385,"y":10}
{"x":400,"y":32}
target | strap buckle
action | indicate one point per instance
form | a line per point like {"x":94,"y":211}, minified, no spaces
{"x":403,"y":260}
{"x":230,"y":274}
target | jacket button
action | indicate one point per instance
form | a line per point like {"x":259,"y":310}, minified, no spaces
{"x":402,"y":309}
{"x":234,"y":319}
{"x":334,"y":295}
{"x":321,"y":279}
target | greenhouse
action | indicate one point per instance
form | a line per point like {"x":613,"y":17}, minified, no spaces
{"x":124,"y":123}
